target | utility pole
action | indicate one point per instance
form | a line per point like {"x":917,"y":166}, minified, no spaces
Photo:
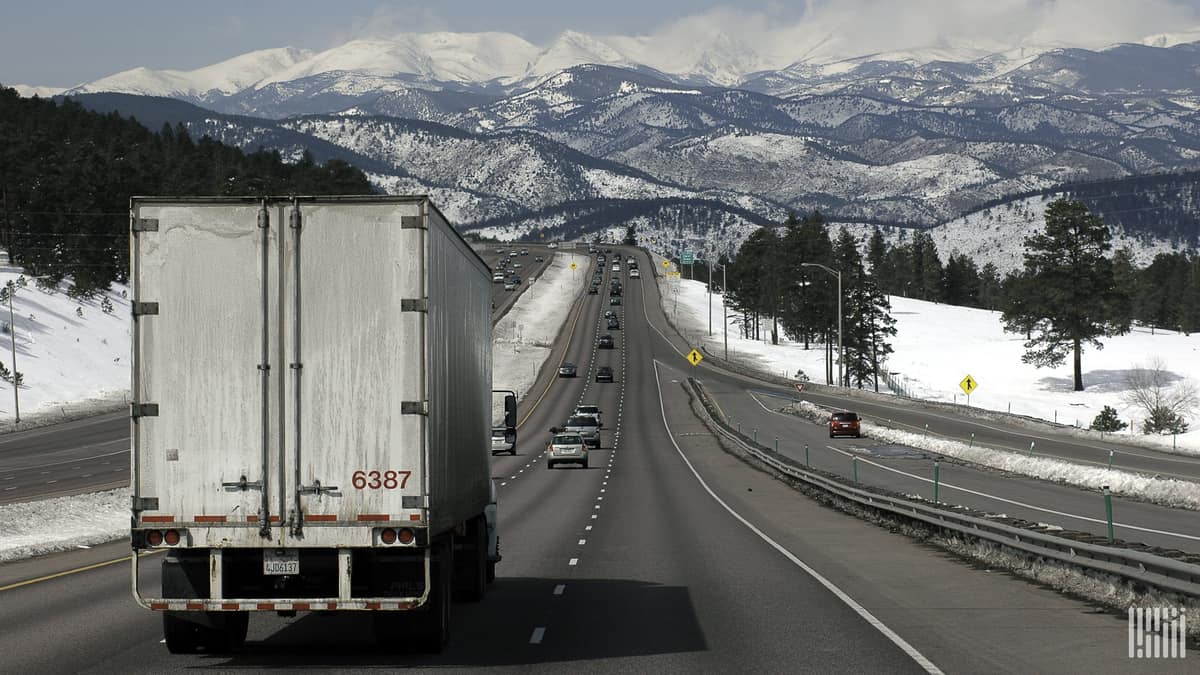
{"x":12,"y":334}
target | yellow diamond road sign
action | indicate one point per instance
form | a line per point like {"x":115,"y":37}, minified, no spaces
{"x":968,"y":385}
{"x":694,"y":357}
{"x":666,"y":263}
{"x":573,"y":265}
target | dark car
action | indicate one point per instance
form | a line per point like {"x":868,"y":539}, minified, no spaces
{"x":615,"y":291}
{"x":593,"y":289}
{"x":614,"y":323}
{"x":614,"y":300}
{"x":604,"y":374}
{"x":606,"y":342}
{"x":845,"y":424}
{"x":566,"y":370}
{"x":539,"y":259}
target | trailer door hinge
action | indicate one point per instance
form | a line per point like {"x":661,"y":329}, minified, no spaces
{"x":413,"y":408}
{"x":145,"y":503}
{"x":137,"y":410}
{"x":414,"y":305}
{"x":144,"y":225}
{"x":145,"y":308}
{"x":412,"y":223}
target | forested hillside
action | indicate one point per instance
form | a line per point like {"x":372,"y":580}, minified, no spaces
{"x":66,"y":176}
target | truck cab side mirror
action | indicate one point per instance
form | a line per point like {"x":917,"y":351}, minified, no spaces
{"x":510,"y":412}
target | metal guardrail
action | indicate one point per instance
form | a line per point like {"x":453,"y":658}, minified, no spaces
{"x":1152,"y":570}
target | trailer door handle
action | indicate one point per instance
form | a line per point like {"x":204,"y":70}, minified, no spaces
{"x":316,"y":488}
{"x":243,"y":485}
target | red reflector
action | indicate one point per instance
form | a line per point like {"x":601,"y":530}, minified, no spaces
{"x":300,"y":606}
{"x":266,"y":606}
{"x":388,"y":536}
{"x":195,"y":605}
{"x":373,"y":517}
{"x":210,"y":519}
{"x":158,"y":519}
{"x":415,"y":516}
{"x":159,"y":605}
{"x":372,"y":605}
{"x":230,"y":605}
{"x":407,"y":536}
{"x":171,"y":537}
{"x":154,"y":537}
{"x":320,"y":518}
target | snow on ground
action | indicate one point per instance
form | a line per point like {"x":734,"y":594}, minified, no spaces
{"x":937,"y":345}
{"x":522,"y":342}
{"x":65,"y":358}
{"x":1166,"y":491}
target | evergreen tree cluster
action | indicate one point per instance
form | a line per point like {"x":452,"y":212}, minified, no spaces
{"x":66,"y":176}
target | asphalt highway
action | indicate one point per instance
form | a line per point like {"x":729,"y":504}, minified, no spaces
{"x":667,"y":554}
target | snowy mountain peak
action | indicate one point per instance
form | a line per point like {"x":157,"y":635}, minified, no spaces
{"x":227,"y":77}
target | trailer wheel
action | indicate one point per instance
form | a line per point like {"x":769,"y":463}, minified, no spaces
{"x":229,"y":637}
{"x":433,"y":626}
{"x":182,"y":636}
{"x":470,"y":562}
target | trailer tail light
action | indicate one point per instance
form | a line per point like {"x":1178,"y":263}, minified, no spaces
{"x":171,"y":537}
{"x":388,"y":536}
{"x":154,"y":538}
{"x":406,"y":536}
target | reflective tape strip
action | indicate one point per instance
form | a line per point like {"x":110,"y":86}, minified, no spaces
{"x":415,"y":517}
{"x":366,"y":517}
{"x":158,"y":519}
{"x":319,"y":518}
{"x":209,"y":519}
{"x":266,"y":606}
{"x":230,"y":605}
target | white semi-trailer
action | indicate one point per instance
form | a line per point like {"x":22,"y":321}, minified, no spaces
{"x":311,"y":415}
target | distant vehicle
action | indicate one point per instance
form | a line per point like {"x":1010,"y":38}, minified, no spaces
{"x":606,"y":342}
{"x":604,"y":374}
{"x":631,"y":262}
{"x":567,"y":449}
{"x":610,"y":314}
{"x":614,"y":300}
{"x":512,"y":254}
{"x":845,"y":424}
{"x":524,"y":251}
{"x":586,"y":426}
{"x":497,"y":278}
{"x":516,"y":266}
{"x":539,"y":259}
{"x":510,"y":285}
{"x":567,"y":370}
{"x":615,"y":291}
{"x":503,"y":441}
{"x":634,"y":274}
{"x":592,"y":410}
{"x":593,"y":289}
{"x":616,"y":267}
{"x":614,"y":323}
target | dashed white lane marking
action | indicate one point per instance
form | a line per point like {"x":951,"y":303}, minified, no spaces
{"x":597,"y":508}
{"x":162,"y":641}
{"x":558,"y":590}
{"x":538,"y":634}
{"x":588,"y":528}
{"x":594,"y":516}
{"x":10,"y":488}
{"x":582,"y":542}
{"x":573,"y":562}
{"x":504,"y":483}
{"x":50,"y":482}
{"x":870,"y":618}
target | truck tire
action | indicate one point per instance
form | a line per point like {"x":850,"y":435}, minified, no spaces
{"x":182,"y":636}
{"x":470,"y":562}
{"x":230,"y":637}
{"x":433,"y":626}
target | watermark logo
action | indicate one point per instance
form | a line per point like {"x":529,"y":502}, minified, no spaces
{"x":1157,"y":633}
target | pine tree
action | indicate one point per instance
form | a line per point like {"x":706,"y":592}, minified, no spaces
{"x":1108,"y":420}
{"x":1068,"y":288}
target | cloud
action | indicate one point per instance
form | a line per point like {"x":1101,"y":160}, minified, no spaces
{"x":781,"y":34}
{"x":390,"y":21}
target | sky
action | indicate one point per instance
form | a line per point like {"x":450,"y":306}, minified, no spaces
{"x":67,"y":42}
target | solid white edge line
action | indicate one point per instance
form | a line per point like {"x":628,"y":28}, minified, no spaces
{"x":977,"y":493}
{"x":558,"y":590}
{"x":538,"y":634}
{"x":900,"y":642}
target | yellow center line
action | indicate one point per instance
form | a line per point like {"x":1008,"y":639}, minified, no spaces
{"x":65,"y":573}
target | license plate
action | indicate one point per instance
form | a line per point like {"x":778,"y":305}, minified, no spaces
{"x":280,"y":562}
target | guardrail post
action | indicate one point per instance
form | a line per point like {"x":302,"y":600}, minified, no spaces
{"x":1110,"y":456}
{"x":937,"y":480}
{"x":926,"y":429}
{"x":1108,"y":512}
{"x":972,"y":444}
{"x":739,"y":427}
{"x":806,"y":462}
{"x":1031,"y":446}
{"x":855,"y":462}
{"x":756,"y":435}
{"x":777,"y":445}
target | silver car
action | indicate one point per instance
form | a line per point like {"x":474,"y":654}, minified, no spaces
{"x":586,"y":426}
{"x":567,"y":448}
{"x":503,"y":442}
{"x":591,"y":411}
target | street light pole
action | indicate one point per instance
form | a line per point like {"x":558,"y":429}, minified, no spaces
{"x":709,"y":298}
{"x":839,"y":313}
{"x":12,"y":334}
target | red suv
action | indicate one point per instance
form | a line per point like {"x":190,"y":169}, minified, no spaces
{"x":844,"y":424}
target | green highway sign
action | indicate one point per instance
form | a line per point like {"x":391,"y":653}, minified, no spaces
{"x":686,"y":258}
